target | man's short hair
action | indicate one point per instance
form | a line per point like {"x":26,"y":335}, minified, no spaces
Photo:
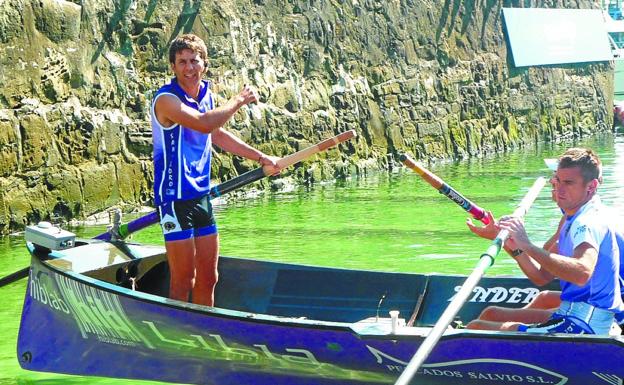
{"x":188,"y":41}
{"x":586,"y":159}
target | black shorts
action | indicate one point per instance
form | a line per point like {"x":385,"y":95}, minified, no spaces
{"x":187,"y":219}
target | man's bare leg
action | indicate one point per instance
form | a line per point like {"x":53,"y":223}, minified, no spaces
{"x":206,"y":275}
{"x":180,"y":255}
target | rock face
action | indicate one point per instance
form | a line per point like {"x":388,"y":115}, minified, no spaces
{"x":428,"y":77}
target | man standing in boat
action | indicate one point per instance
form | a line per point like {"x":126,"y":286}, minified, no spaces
{"x":185,"y":124}
{"x":585,"y":258}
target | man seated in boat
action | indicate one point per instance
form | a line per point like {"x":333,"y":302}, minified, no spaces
{"x":541,"y":308}
{"x":583,"y":254}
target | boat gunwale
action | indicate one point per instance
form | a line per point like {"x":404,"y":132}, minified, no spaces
{"x":305,"y":323}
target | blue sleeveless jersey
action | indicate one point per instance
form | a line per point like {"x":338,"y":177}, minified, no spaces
{"x":594,"y":225}
{"x":181,"y":155}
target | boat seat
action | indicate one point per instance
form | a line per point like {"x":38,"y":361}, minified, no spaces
{"x":117,"y":263}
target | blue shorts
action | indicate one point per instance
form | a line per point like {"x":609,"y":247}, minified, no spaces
{"x":559,"y":324}
{"x":574,"y":318}
{"x":187,"y":219}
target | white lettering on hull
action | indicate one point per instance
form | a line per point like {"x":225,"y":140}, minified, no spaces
{"x":610,"y":378}
{"x":100,"y":313}
{"x":43,"y":293}
{"x":501,"y":294}
{"x":450,"y":369}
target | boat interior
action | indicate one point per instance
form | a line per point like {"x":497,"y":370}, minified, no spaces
{"x":297,"y":291}
{"x":259,"y":287}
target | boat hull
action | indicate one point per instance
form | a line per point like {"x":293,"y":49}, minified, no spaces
{"x":79,"y":325}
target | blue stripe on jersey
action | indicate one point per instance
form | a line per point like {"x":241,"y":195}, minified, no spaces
{"x":181,"y":155}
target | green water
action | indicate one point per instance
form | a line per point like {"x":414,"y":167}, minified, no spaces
{"x":390,"y":222}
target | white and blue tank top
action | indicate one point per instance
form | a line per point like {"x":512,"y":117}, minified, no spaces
{"x":181,"y":154}
{"x":594,"y":225}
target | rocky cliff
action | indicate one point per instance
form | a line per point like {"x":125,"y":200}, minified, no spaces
{"x":423,"y":76}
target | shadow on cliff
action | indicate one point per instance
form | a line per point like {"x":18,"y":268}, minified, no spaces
{"x":184,"y":23}
{"x":452,"y":8}
{"x":113,"y":26}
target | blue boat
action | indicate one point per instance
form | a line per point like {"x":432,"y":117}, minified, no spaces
{"x":100,"y":308}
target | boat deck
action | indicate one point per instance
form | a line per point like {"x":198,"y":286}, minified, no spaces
{"x":299,"y":291}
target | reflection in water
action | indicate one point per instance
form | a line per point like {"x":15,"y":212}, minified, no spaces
{"x":54,"y":379}
{"x":613,"y":189}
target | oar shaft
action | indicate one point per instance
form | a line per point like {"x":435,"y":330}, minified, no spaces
{"x":444,"y":189}
{"x":287,"y":161}
{"x":486,"y":260}
{"x":443,"y":322}
{"x":520,"y":211}
{"x":235,"y":183}
{"x":14,"y":276}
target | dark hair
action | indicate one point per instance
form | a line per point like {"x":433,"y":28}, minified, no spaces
{"x":586,"y":159}
{"x":188,"y":41}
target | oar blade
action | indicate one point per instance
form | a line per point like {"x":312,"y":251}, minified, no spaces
{"x":552,"y":164}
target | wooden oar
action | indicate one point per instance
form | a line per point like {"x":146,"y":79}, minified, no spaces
{"x":486,"y":260}
{"x":14,"y":276}
{"x":477,"y":212}
{"x":241,"y":180}
{"x":151,"y":218}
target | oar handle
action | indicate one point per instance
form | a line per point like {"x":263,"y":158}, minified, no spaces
{"x":477,"y":212}
{"x":234,"y":183}
{"x":486,"y":260}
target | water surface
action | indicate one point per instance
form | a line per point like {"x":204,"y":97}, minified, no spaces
{"x":389,"y":222}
